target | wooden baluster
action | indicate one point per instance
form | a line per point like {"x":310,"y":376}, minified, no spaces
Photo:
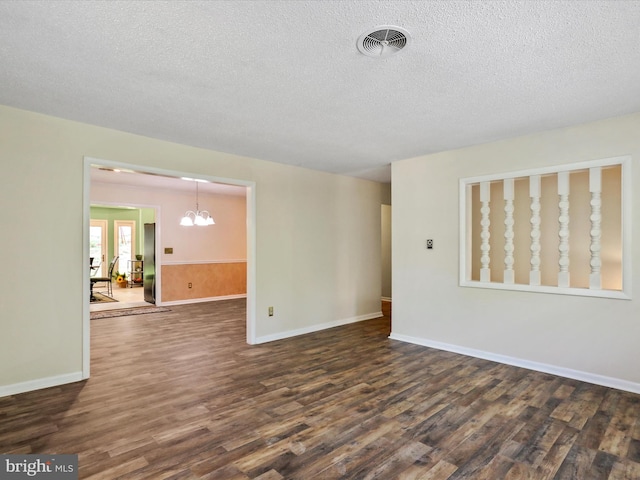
{"x":485,"y":196}
{"x":534,"y":194}
{"x":508,"y":188}
{"x":595,"y":187}
{"x":563,"y":233}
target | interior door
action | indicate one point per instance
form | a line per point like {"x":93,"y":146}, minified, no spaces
{"x":124,"y":243}
{"x":98,"y":246}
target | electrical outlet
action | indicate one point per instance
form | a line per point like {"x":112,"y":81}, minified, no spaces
{"x":271,"y":311}
{"x":190,"y":285}
{"x":429,"y":243}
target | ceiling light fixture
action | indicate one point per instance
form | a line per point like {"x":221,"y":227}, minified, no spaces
{"x":199,"y":217}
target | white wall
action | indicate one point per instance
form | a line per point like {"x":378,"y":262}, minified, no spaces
{"x":318,"y":239}
{"x":590,"y":338}
{"x":226,"y":240}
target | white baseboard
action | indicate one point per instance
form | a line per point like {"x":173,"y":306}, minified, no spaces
{"x":386,"y":299}
{"x":588,"y":377}
{"x":315,"y":328}
{"x":201,"y":300}
{"x":31,"y":385}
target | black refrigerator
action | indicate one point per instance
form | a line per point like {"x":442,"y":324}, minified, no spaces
{"x":149,"y":281}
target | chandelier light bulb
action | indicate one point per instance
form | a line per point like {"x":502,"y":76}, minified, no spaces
{"x":199,"y":217}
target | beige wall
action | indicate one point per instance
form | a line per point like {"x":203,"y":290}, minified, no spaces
{"x":226,"y":240}
{"x":595,"y":336}
{"x":317,"y":238}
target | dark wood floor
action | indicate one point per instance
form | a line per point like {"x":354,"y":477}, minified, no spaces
{"x":180,"y":395}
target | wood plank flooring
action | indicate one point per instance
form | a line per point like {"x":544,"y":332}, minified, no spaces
{"x":179,"y":395}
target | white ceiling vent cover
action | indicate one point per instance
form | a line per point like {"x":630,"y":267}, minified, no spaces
{"x":383,"y":41}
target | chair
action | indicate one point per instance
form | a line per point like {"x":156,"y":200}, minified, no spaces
{"x":106,"y":279}
{"x":93,"y":269}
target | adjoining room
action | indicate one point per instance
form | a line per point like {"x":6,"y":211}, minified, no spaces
{"x":136,"y":221}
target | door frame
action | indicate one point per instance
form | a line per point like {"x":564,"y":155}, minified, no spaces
{"x":250,"y":186}
{"x":157,"y":210}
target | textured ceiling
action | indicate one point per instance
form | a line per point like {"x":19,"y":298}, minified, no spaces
{"x":284,"y":81}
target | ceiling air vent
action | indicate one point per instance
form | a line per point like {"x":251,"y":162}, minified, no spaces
{"x":383,"y":41}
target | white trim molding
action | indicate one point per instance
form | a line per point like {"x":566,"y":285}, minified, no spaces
{"x":203,"y":262}
{"x":316,"y":328}
{"x":40,"y":383}
{"x":386,"y":299}
{"x":582,"y":376}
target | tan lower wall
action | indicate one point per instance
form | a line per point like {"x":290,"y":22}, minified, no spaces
{"x":207,"y":280}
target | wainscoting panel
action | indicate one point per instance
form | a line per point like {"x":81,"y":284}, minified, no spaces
{"x":206,"y":279}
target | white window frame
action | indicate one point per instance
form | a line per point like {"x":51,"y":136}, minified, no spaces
{"x":465,"y":185}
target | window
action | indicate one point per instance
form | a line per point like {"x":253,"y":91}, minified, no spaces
{"x":124,"y":245}
{"x":564,"y":229}
{"x":98,"y":247}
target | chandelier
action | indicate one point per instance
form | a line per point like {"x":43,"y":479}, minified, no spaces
{"x":199,"y":217}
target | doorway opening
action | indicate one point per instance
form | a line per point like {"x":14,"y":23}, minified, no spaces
{"x":118,"y":232}
{"x":162,"y":175}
